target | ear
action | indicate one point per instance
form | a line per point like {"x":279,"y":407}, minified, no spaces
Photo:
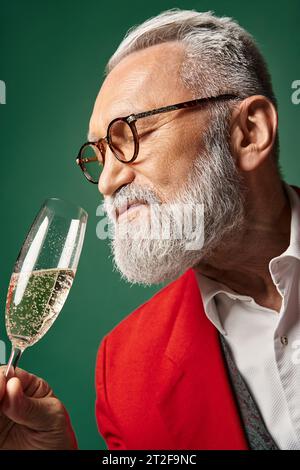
{"x":253,"y":131}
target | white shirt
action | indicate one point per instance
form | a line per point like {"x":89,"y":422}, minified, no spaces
{"x":266,"y":344}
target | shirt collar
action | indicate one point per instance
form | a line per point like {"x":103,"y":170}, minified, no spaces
{"x":294,"y":247}
{"x":209,"y":288}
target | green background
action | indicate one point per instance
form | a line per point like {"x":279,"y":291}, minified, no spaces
{"x":52,"y":56}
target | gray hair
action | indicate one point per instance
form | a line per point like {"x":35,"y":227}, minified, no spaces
{"x":220,"y":56}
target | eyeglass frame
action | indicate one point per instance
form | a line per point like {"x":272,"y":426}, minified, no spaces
{"x":131,"y":119}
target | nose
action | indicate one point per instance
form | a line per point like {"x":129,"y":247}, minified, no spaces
{"x":114,"y":174}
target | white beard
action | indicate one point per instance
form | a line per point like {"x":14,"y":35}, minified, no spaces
{"x":213,"y":182}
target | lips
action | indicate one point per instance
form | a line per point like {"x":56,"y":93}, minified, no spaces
{"x":124,"y":207}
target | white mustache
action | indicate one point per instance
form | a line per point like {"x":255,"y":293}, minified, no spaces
{"x":126,"y":197}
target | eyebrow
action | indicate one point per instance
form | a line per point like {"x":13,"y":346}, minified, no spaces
{"x":115,"y":113}
{"x":94,"y":137}
{"x":128,"y":111}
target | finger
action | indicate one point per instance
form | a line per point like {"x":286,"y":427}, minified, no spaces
{"x":35,"y":413}
{"x":4,"y":378}
{"x":2,"y":383}
{"x":32,"y":385}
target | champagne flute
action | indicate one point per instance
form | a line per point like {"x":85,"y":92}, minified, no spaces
{"x":43,"y":274}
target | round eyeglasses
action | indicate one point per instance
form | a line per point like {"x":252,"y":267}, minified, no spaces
{"x":123,"y":140}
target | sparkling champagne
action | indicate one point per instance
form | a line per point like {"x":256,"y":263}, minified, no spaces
{"x":33,"y":303}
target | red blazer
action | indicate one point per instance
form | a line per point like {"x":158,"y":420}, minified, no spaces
{"x":161,"y":380}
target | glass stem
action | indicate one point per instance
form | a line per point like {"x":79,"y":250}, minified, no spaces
{"x":15,"y":355}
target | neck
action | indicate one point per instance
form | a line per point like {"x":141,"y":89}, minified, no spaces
{"x":242,"y":263}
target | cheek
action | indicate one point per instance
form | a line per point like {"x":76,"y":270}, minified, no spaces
{"x":166,"y":163}
{"x":180,"y":157}
{"x":169,"y":172}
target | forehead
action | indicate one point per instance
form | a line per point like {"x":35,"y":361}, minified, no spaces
{"x":141,"y":81}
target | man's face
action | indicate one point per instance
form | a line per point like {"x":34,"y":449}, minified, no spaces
{"x":169,"y":142}
{"x":182,"y":159}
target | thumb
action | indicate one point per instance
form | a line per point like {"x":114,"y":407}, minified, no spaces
{"x":34,"y":413}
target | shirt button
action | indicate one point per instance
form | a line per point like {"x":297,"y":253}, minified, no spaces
{"x":284,"y":340}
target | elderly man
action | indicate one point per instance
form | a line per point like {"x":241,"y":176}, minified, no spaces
{"x":186,"y":117}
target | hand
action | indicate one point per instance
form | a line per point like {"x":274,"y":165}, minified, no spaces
{"x":31,"y":417}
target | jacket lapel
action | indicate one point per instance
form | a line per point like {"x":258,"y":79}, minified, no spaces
{"x":194,"y":397}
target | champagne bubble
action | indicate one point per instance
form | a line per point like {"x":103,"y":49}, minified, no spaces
{"x":33,"y":303}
